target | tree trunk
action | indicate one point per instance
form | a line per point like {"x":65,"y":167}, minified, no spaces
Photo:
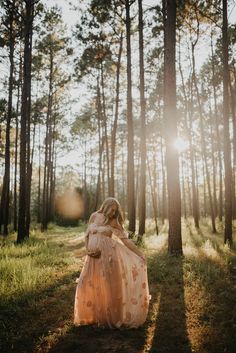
{"x":39,"y":182}
{"x":170,"y":118}
{"x":100,"y":144}
{"x":48,"y":149}
{"x":220,"y":205}
{"x":23,"y":231}
{"x":203,"y":142}
{"x":195,"y":205}
{"x":214,"y":172}
{"x":114,"y":129}
{"x":29,"y":164}
{"x":153,"y":194}
{"x":130,"y":162}
{"x":227,"y":148}
{"x":143,"y":153}
{"x":104,"y":120}
{"x":232,"y":101}
{"x":4,"y":219}
{"x":164,"y":190}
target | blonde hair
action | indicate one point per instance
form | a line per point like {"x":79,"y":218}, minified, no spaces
{"x":104,"y":209}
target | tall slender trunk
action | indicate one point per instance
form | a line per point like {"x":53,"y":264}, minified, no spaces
{"x":130,"y":162}
{"x":183,"y":189}
{"x":203,"y":142}
{"x":164,"y":191}
{"x":39,"y":179}
{"x":100,"y":146}
{"x":188,"y":124}
{"x":104,"y":116}
{"x":205,"y":206}
{"x":4,"y":212}
{"x":227,"y":148}
{"x":232,"y":101}
{"x":48,"y":148}
{"x":214,"y":173}
{"x":123,"y":179}
{"x":52,"y":172}
{"x":44,"y":207}
{"x":143,"y":153}
{"x":23,"y":231}
{"x":170,"y":118}
{"x":16,"y":144}
{"x":29,"y":164}
{"x":218,"y":138}
{"x":153,"y":195}
{"x":114,"y":129}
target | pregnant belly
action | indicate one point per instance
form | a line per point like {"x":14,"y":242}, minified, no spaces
{"x":93,"y":242}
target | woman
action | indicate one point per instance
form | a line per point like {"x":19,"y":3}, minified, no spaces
{"x":112,"y":289}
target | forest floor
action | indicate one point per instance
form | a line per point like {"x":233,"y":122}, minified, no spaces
{"x":193,"y":305}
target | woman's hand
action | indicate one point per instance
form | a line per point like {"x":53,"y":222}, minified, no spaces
{"x":94,"y":253}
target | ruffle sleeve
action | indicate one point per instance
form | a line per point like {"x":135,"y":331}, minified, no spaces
{"x":121,"y":234}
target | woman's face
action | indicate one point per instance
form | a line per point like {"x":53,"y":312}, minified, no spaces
{"x":112,"y":211}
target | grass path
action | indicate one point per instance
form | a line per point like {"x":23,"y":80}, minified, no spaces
{"x":193,"y":306}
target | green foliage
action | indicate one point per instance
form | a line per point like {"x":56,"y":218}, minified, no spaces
{"x":3,"y":109}
{"x":101,"y":9}
{"x":92,"y":58}
{"x":86,"y":122}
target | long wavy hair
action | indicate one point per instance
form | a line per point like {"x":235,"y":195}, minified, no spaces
{"x":104,"y":209}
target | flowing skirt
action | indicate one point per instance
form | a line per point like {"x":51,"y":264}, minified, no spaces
{"x":112,"y":290}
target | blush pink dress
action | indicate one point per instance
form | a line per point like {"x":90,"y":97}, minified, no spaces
{"x":112,"y":290}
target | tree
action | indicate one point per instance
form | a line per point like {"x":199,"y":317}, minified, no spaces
{"x":23,"y":227}
{"x":227,"y":147}
{"x":142,"y":186}
{"x":170,"y":117}
{"x":10,"y":37}
{"x":53,"y":44}
{"x":130,"y":145}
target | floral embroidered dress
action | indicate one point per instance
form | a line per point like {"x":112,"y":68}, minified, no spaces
{"x":112,"y":290}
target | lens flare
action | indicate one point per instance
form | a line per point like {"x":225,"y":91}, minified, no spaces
{"x":180,"y":144}
{"x":70,"y":205}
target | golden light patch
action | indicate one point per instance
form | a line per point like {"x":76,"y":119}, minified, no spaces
{"x":70,"y":205}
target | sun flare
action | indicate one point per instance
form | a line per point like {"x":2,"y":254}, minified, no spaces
{"x":180,"y":144}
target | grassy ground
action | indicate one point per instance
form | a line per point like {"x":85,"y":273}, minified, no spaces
{"x":193,"y":306}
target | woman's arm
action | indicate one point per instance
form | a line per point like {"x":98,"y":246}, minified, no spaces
{"x":133,"y":247}
{"x":127,"y":242}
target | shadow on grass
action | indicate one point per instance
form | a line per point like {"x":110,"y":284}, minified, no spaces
{"x":91,"y":339}
{"x":217,"y":304}
{"x":23,"y":321}
{"x":170,"y":334}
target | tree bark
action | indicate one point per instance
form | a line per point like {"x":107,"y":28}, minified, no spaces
{"x":170,"y":118}
{"x":23,"y":230}
{"x":114,"y":129}
{"x":130,"y":162}
{"x":4,"y":212}
{"x":143,"y":153}
{"x":227,"y":148}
